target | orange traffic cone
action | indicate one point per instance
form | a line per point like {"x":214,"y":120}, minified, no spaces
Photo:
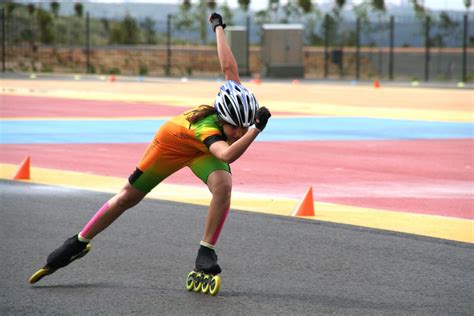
{"x":23,"y":172}
{"x":376,"y":84}
{"x":306,"y":206}
{"x":256,"y":79}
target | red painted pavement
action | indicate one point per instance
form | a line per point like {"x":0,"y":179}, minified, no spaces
{"x":428,"y":176}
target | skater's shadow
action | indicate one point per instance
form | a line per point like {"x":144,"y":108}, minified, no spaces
{"x":97,"y":285}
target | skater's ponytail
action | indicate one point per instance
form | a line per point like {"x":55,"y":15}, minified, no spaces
{"x":201,"y":112}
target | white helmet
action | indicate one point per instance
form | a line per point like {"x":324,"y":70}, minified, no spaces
{"x":236,"y":105}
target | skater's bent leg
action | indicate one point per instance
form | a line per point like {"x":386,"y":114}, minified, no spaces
{"x":220,"y":185}
{"x":111,"y":210}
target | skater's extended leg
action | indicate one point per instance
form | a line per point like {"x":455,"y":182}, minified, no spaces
{"x":111,"y":210}
{"x":220,"y":185}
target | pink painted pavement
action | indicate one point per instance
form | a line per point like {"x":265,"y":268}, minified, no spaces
{"x":421,"y":176}
{"x":392,"y":175}
{"x":25,"y":106}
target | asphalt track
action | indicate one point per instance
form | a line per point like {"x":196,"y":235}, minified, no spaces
{"x":272,"y":264}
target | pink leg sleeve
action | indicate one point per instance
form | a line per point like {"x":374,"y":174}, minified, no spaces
{"x":219,"y":227}
{"x":94,"y":219}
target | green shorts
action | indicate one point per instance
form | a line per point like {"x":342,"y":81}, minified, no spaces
{"x":162,"y":167}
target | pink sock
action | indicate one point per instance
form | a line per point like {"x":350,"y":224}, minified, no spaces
{"x":94,"y":219}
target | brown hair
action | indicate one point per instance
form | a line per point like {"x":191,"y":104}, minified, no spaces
{"x":201,"y":112}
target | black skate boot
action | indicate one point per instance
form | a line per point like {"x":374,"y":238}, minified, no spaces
{"x":206,"y":261}
{"x":204,"y":278}
{"x":69,"y":251}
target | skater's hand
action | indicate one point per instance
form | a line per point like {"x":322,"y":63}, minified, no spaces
{"x":263,"y":114}
{"x":216,"y":20}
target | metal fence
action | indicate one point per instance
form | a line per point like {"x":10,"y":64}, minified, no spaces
{"x":388,"y":47}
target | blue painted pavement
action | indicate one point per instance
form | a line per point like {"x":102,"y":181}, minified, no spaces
{"x":278,"y":129}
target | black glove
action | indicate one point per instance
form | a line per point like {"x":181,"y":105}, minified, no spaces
{"x":262,"y":118}
{"x":216,"y":20}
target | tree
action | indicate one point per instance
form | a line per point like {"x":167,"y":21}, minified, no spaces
{"x":421,"y":14}
{"x":305,"y":5}
{"x":273,"y":6}
{"x":336,"y":10}
{"x":45,"y":23}
{"x":340,"y":4}
{"x":262,"y":17}
{"x":330,"y":26}
{"x":419,"y":8}
{"x":378,"y":5}
{"x":211,"y":4}
{"x":125,"y":32}
{"x":291,"y":13}
{"x":130,"y":30}
{"x":467,"y":4}
{"x":78,"y":9}
{"x":30,"y":32}
{"x":55,"y":8}
{"x":244,"y":5}
{"x":186,"y":5}
{"x":105,"y":24}
{"x":227,"y":14}
{"x":31,"y":9}
{"x":184,"y":20}
{"x":202,"y":21}
{"x":447,"y":29}
{"x":149,"y":32}
{"x":11,"y":6}
{"x":310,"y":16}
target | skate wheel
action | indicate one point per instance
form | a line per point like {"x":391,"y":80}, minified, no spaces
{"x":197,"y":282}
{"x":214,"y":285}
{"x":190,"y":281}
{"x":38,"y":275}
{"x":206,"y":282}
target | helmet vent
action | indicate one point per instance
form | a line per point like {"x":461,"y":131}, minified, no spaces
{"x":227,"y":101}
{"x":234,"y":114}
{"x":239,"y":99}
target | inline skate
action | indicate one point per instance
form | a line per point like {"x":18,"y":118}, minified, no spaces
{"x":204,"y":278}
{"x":72,"y":249}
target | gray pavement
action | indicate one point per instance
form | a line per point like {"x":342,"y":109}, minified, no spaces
{"x":272,"y":265}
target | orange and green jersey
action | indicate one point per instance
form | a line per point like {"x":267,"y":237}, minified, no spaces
{"x":177,"y":144}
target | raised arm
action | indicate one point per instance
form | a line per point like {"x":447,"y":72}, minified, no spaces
{"x":226,"y":58}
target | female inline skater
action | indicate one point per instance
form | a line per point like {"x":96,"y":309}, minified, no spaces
{"x":206,"y":139}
